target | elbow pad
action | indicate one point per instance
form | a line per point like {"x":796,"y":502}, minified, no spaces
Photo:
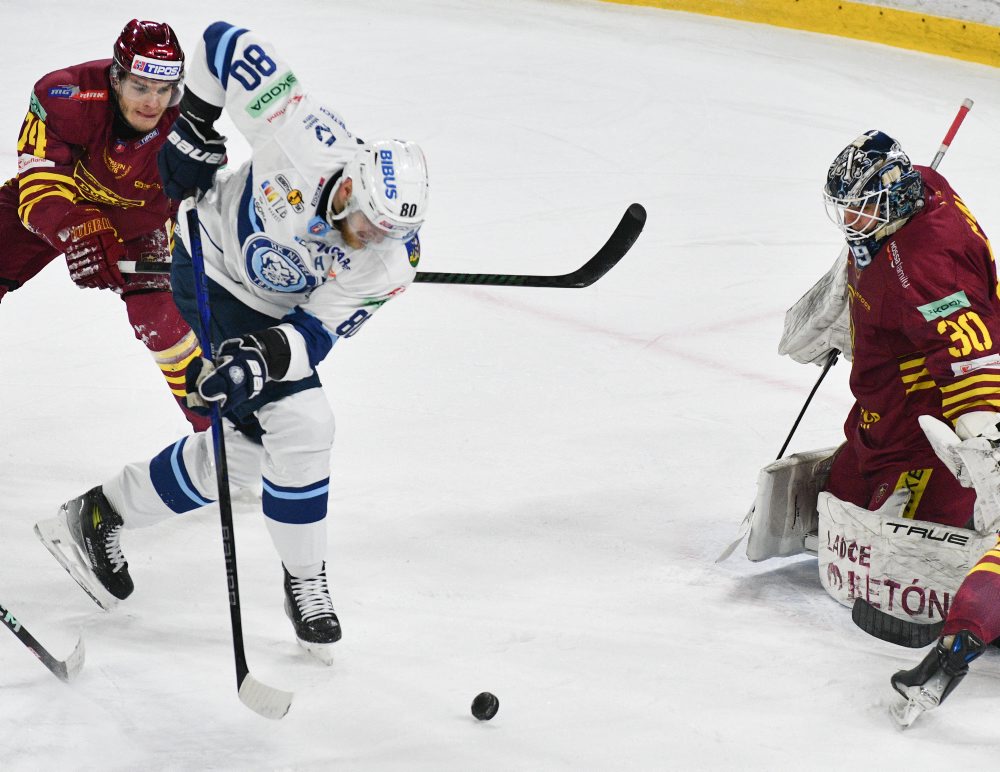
{"x":274,"y":347}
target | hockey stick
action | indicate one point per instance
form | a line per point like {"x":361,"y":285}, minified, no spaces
{"x":902,"y":632}
{"x":63,"y":669}
{"x":607,"y":257}
{"x":748,"y":518}
{"x":259,"y":697}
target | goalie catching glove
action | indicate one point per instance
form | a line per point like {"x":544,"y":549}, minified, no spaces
{"x":241,"y":368}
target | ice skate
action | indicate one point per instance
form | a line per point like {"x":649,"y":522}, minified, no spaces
{"x":308,"y":605}
{"x":928,"y":684}
{"x":84,"y":538}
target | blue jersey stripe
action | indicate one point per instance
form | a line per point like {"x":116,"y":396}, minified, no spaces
{"x":319,"y":340}
{"x":296,"y":505}
{"x":297,"y":492}
{"x":220,"y":42}
{"x":247,"y":221}
{"x":172,"y":482}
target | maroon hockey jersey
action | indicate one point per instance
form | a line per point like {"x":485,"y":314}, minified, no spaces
{"x":69,"y":152}
{"x":925,"y":324}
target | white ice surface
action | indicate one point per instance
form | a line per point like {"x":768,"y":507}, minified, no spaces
{"x":530,"y":487}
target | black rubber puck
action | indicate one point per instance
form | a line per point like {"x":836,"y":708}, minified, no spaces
{"x":485,"y":706}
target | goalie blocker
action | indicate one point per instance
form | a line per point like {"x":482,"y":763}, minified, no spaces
{"x":909,"y":569}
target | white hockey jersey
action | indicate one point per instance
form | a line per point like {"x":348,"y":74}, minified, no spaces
{"x":263,"y":237}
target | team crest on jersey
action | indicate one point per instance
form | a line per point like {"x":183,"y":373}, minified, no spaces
{"x":117,"y":168}
{"x":276,"y":267}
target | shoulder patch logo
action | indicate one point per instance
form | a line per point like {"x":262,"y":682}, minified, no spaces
{"x":34,"y":106}
{"x":413,"y":251}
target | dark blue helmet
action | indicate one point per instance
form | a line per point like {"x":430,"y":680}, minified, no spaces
{"x":872,"y":186}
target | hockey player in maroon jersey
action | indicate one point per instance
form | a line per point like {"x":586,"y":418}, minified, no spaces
{"x":925,"y":328}
{"x":88,"y":187}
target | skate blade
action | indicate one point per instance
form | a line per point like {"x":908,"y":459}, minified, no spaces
{"x":55,"y":535}
{"x":918,"y":701}
{"x":321,"y":651}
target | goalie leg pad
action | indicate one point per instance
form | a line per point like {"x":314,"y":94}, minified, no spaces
{"x":784,"y":512}
{"x":909,"y":569}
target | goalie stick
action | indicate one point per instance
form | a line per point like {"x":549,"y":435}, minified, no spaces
{"x":885,"y":627}
{"x":606,"y":258}
{"x":63,"y":669}
{"x":259,"y":697}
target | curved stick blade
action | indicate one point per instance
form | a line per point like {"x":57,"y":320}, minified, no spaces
{"x":263,"y":699}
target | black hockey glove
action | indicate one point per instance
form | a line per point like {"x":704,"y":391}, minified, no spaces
{"x":189,"y":159}
{"x":242,"y":366}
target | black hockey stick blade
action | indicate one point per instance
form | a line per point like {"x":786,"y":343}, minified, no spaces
{"x":607,"y":257}
{"x":902,"y":632}
{"x":63,"y":669}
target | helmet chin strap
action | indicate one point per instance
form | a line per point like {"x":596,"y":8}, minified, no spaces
{"x":332,"y":216}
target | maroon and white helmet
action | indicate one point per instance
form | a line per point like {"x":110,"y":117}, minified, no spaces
{"x":148,"y":49}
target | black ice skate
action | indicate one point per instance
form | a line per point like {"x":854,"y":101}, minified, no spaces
{"x":84,"y":538}
{"x":308,"y":605}
{"x":926,"y":686}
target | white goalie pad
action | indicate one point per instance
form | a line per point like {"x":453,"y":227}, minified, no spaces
{"x":784,"y":513}
{"x":820,"y":320}
{"x":909,"y":569}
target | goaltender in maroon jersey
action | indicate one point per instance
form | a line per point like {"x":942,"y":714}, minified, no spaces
{"x":925,"y":325}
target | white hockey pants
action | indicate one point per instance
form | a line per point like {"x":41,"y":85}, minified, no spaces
{"x":293,"y":462}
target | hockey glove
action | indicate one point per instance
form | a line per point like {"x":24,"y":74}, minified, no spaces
{"x":92,"y":248}
{"x":237,"y":375}
{"x":189,"y":159}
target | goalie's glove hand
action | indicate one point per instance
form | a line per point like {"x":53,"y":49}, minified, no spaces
{"x":92,"y":249}
{"x":237,"y":375}
{"x":189,"y":159}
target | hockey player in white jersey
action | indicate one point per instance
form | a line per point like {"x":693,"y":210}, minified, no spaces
{"x":302,"y":244}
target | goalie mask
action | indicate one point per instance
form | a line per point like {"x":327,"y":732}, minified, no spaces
{"x":871,"y":190}
{"x":389,"y":189}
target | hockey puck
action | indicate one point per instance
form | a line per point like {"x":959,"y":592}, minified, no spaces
{"x":485,"y":706}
